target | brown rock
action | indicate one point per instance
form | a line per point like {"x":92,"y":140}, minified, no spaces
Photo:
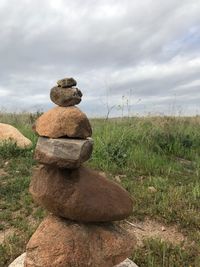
{"x":65,"y":97}
{"x":10,"y":133}
{"x":63,"y":152}
{"x":63,"y":121}
{"x":62,"y":243}
{"x":67,"y":82}
{"x":80,"y":194}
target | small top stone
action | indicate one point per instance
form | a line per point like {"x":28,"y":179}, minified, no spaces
{"x":67,"y":82}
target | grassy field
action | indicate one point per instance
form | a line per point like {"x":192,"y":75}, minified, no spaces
{"x":155,"y":159}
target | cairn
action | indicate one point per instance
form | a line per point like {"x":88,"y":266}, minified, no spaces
{"x":79,"y":230}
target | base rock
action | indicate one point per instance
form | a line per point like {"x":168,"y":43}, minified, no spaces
{"x":62,"y":243}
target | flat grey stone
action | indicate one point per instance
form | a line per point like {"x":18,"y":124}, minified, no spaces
{"x":127,"y":263}
{"x":65,"y":97}
{"x":18,"y":262}
{"x":63,"y":152}
{"x":67,"y":82}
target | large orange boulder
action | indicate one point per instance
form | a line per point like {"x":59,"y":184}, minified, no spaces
{"x":62,"y":243}
{"x":80,"y":194}
{"x":63,"y":122}
{"x":11,"y":134}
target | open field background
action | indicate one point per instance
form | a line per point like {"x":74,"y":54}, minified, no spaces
{"x":157,"y":159}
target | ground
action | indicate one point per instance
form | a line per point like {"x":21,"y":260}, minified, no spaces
{"x":155,"y":159}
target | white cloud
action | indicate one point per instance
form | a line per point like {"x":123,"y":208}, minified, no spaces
{"x":4,"y":92}
{"x":111,"y":47}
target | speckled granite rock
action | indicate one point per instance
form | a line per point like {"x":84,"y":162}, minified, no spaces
{"x":63,"y":122}
{"x":63,"y":243}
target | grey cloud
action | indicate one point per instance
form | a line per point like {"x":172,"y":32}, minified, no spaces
{"x":97,"y":42}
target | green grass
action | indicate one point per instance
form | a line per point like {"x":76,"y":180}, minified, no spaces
{"x":159,"y":152}
{"x":156,"y":253}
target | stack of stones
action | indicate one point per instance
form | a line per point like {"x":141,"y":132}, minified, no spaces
{"x":79,"y":230}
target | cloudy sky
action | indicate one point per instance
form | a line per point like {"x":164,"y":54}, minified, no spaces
{"x":130,"y":56}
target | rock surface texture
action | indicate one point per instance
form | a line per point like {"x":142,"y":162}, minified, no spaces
{"x":10,"y":133}
{"x":65,"y":97}
{"x":63,"y":122}
{"x":58,"y":243}
{"x":80,"y":232}
{"x":66,"y":82}
{"x":81,"y":195}
{"x":63,"y":153}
